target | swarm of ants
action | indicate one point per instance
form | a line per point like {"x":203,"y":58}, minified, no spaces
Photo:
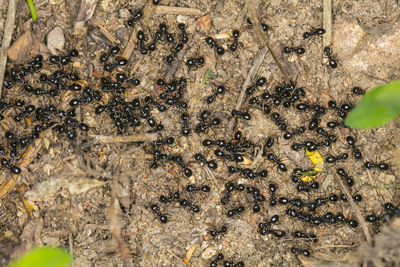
{"x":223,"y":155}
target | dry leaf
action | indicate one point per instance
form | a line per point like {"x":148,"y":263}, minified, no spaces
{"x":21,"y":48}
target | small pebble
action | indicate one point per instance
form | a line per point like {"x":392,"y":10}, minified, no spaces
{"x":55,"y":40}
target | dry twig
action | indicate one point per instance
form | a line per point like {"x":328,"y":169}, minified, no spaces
{"x":327,"y":38}
{"x":115,"y":222}
{"x":85,"y":13}
{"x":356,"y":209}
{"x":250,"y":76}
{"x":131,"y":43}
{"x":173,"y":10}
{"x":263,"y":38}
{"x":8,"y":31}
{"x":110,"y":139}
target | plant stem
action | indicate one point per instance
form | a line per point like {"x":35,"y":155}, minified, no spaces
{"x":32,"y":9}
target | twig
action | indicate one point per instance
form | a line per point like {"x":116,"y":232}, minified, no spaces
{"x":193,"y":94}
{"x":86,"y":11}
{"x":250,"y":76}
{"x":116,"y":224}
{"x":327,"y":38}
{"x":173,"y":10}
{"x":129,"y":46}
{"x":8,"y":31}
{"x":131,"y":43}
{"x":109,"y":139}
{"x":356,"y":210}
{"x":263,"y":38}
{"x":108,"y":35}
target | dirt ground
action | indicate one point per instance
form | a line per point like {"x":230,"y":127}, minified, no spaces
{"x":93,"y":197}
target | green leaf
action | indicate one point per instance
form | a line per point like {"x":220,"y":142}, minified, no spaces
{"x":377,"y":107}
{"x":44,"y":257}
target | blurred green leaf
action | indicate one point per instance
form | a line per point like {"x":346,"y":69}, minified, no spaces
{"x":377,"y":107}
{"x":44,"y":257}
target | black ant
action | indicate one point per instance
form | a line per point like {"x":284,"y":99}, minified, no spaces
{"x":244,"y":115}
{"x":157,"y":37}
{"x":305,"y":252}
{"x":278,"y":121}
{"x":135,"y":18}
{"x":220,"y":90}
{"x":260,"y":82}
{"x":185,"y":128}
{"x":297,"y":50}
{"x":332,"y":62}
{"x":202,"y":126}
{"x":272,"y":157}
{"x":233,"y":46}
{"x":381,"y":166}
{"x":235,"y":211}
{"x":141,"y":38}
{"x":215,"y":233}
{"x":104,"y":57}
{"x":297,"y":131}
{"x":358,"y":91}
{"x":156,"y":210}
{"x":185,"y":37}
{"x":171,"y":56}
{"x":172,"y":197}
{"x":345,"y":107}
{"x":356,"y":152}
{"x":194,"y":62}
{"x":265,"y":27}
{"x":333,"y":159}
{"x":319,"y":31}
{"x":211,"y":163}
{"x":300,"y":234}
{"x":343,"y":174}
{"x":193,"y":207}
{"x":214,"y":263}
{"x":6,"y":163}
{"x":265,"y":227}
{"x":211,"y":42}
{"x":193,"y":188}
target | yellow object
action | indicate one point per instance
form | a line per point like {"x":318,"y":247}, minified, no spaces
{"x":28,"y":205}
{"x":189,"y":253}
{"x":318,"y":161}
